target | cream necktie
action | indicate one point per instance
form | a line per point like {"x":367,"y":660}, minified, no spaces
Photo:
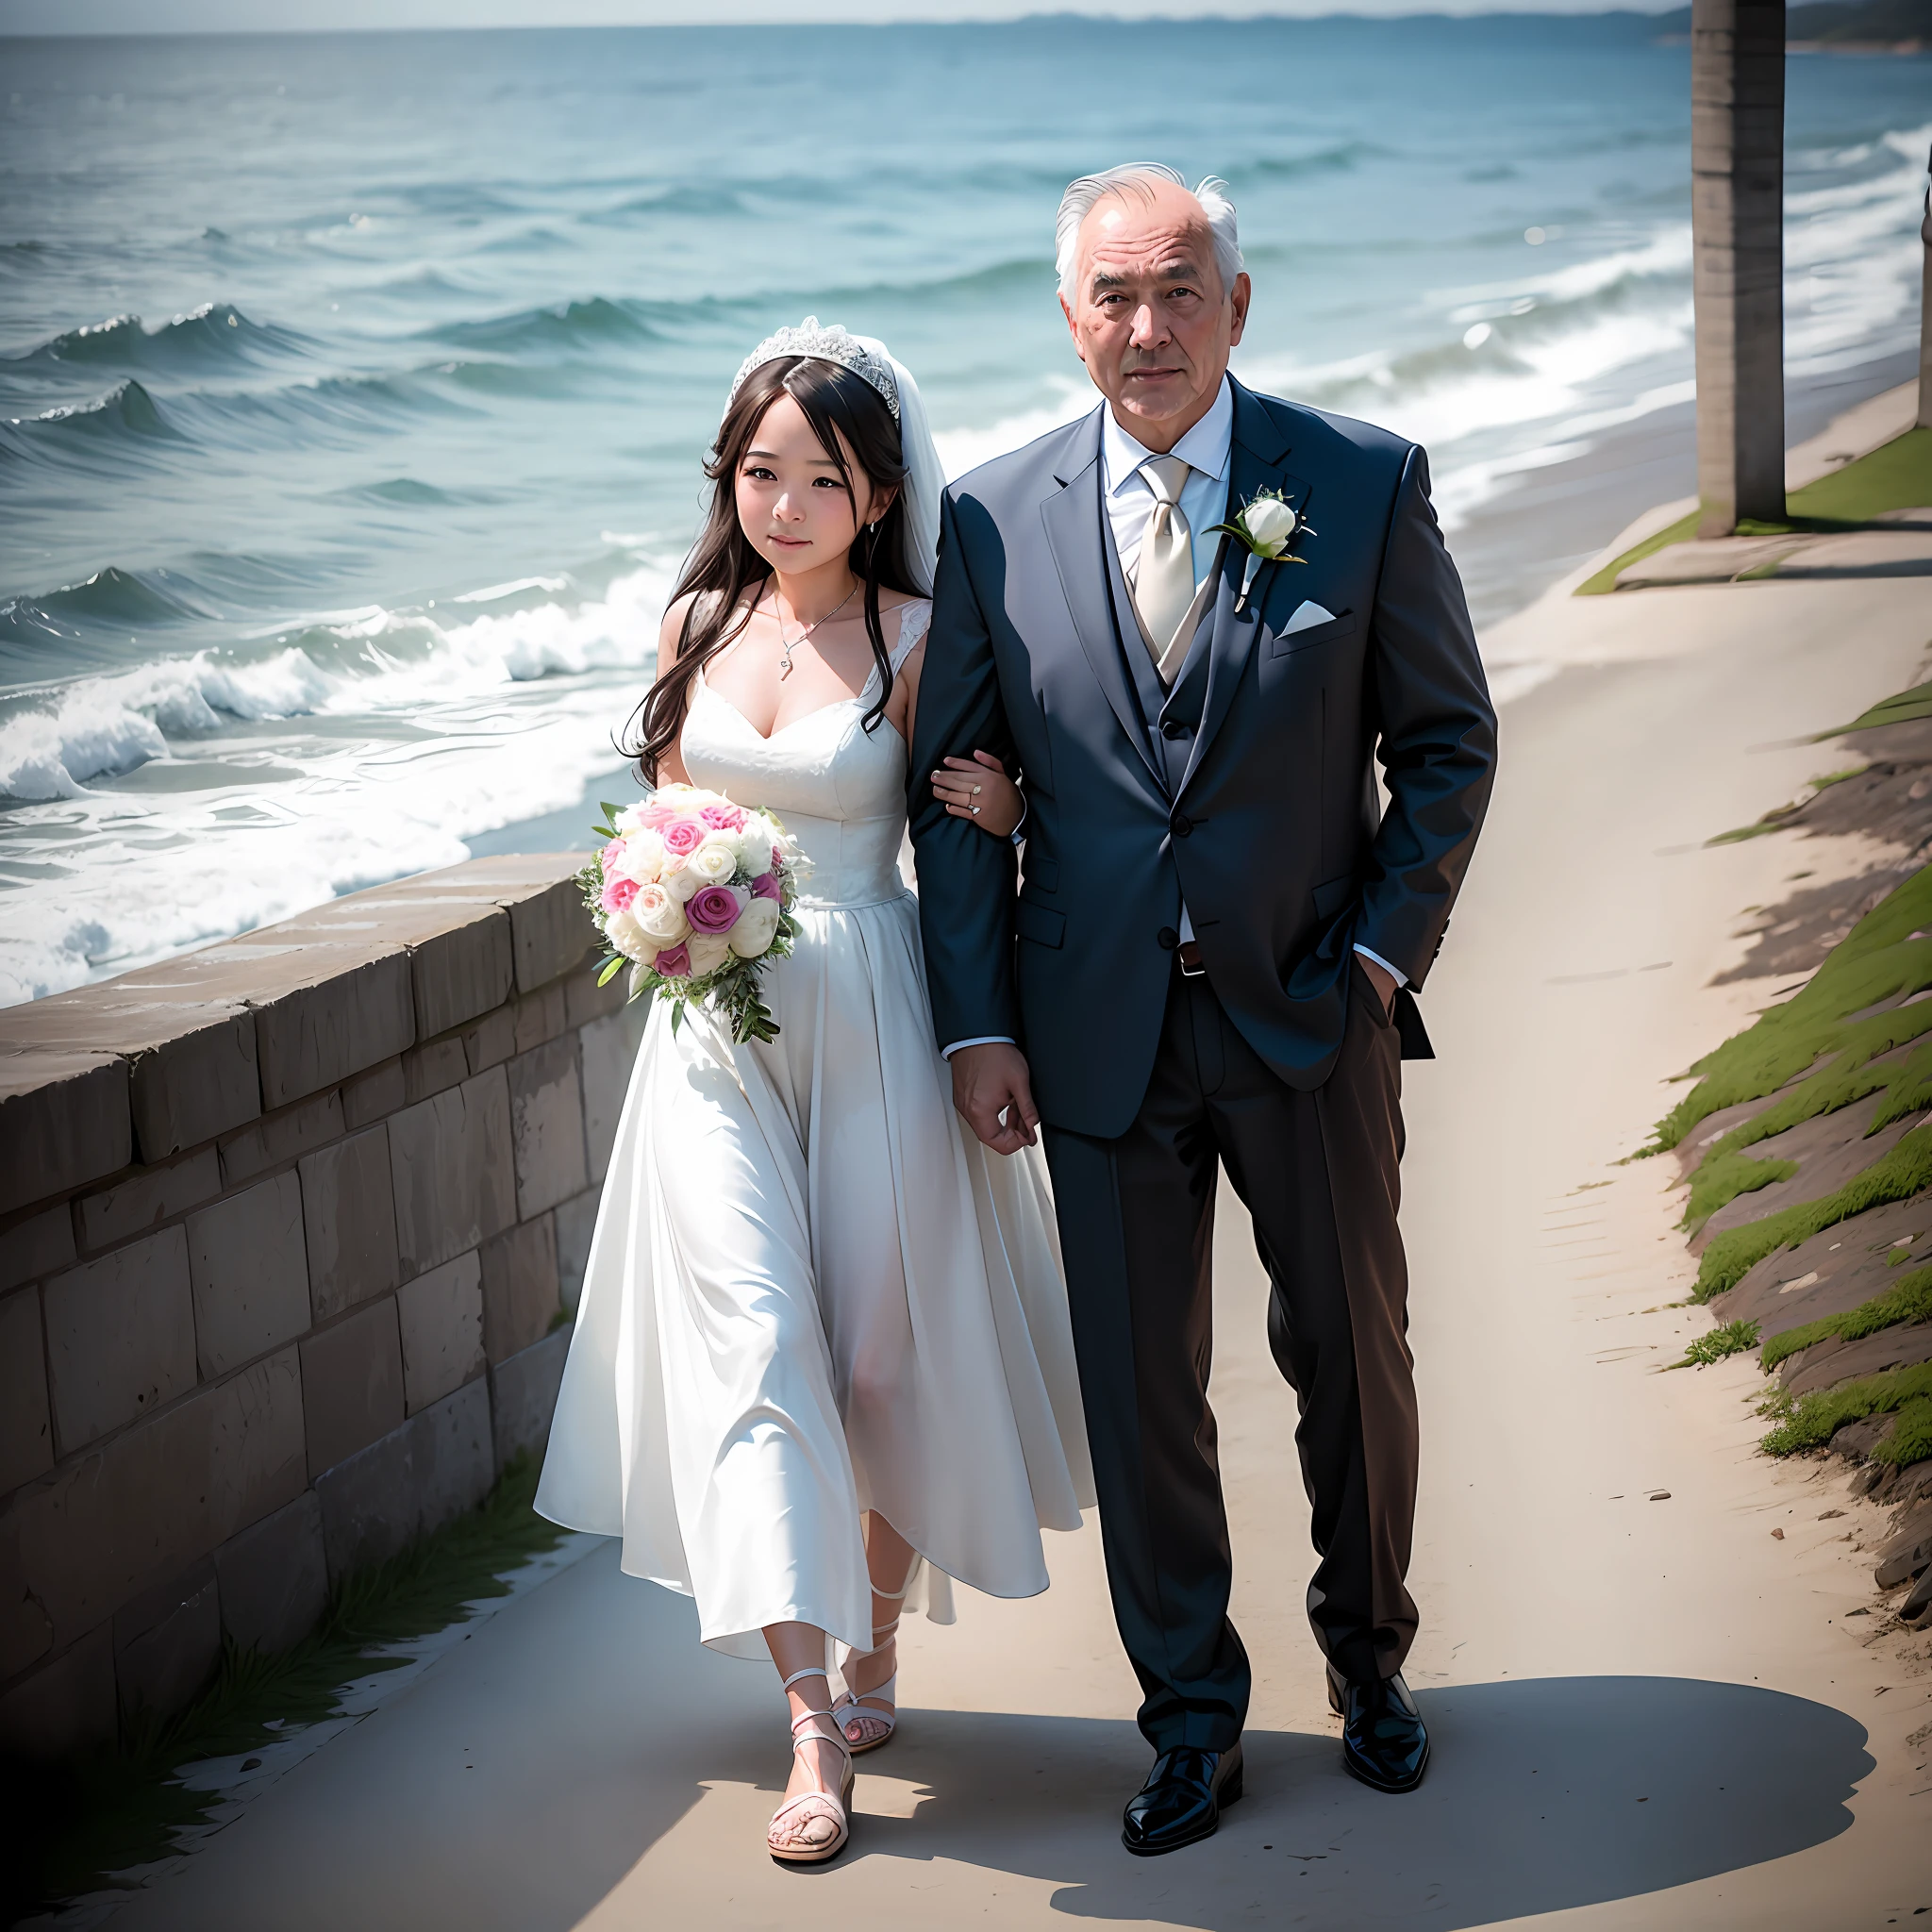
{"x":1163,"y":584}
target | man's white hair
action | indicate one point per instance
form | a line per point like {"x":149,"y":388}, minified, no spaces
{"x":1078,"y":203}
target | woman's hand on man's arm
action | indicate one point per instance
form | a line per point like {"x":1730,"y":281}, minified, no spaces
{"x":979,"y":789}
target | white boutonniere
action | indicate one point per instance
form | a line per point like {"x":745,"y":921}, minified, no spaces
{"x":1265,"y":527}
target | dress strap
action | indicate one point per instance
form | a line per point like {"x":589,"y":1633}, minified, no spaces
{"x":913,"y":618}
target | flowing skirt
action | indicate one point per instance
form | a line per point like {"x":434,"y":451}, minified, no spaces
{"x":811,"y":1293}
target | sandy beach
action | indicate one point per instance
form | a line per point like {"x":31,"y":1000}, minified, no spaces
{"x":1647,"y":1708}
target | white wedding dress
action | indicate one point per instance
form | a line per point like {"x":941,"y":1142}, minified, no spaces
{"x":810,"y":1292}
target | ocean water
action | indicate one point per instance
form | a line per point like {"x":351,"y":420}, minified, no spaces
{"x":353,"y":389}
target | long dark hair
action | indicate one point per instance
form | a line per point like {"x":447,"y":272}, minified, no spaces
{"x":729,"y":576}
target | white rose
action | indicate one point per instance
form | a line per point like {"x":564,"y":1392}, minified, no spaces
{"x":680,"y":880}
{"x":707,"y":952}
{"x":715,"y":860}
{"x":642,"y":857}
{"x":785,"y":850}
{"x":744,"y":842}
{"x":756,"y":926}
{"x":626,"y":819}
{"x":1269,"y":523}
{"x":658,"y":916}
{"x":624,"y":932}
{"x":748,"y":846}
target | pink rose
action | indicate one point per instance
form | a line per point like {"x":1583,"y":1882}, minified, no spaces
{"x":682,"y":837}
{"x":766,"y":887}
{"x":674,"y":962}
{"x":723,"y":818}
{"x":713,"y":909}
{"x":611,"y":854}
{"x":655,"y":815}
{"x":618,"y":894}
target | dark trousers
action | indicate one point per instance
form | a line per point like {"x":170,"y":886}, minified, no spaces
{"x":1318,"y":1172}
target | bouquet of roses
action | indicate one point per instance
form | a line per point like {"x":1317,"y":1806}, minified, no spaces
{"x":694,"y":895}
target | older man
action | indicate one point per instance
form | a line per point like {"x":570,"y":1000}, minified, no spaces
{"x":1213,"y":950}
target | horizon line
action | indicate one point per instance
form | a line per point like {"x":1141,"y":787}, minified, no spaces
{"x":775,"y":13}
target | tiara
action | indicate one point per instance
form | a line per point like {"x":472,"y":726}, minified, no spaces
{"x":829,"y":344}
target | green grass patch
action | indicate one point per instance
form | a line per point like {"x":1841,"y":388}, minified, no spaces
{"x":1896,"y":475}
{"x":1897,"y":1176}
{"x":1731,"y":1338}
{"x":1605,"y":581}
{"x":1909,"y":1299}
{"x":1908,"y":1091}
{"x":1910,"y":1440}
{"x":1901,"y":708}
{"x":1775,"y":820}
{"x":1725,"y":1171}
{"x":1722,"y":1178}
{"x":121,"y":1808}
{"x":1811,"y":1422}
{"x":1878,"y":961}
{"x":1884,"y":958}
{"x":1779,"y":816}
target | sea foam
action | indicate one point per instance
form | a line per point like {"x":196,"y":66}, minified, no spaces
{"x":376,"y":385}
{"x":53,"y":742}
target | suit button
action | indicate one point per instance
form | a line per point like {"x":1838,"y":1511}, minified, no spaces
{"x":1168,"y":939}
{"x":1181,"y":825}
{"x":1173,"y":727}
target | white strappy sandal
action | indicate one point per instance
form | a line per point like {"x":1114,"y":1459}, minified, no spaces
{"x":836,"y":1805}
{"x":859,"y":1708}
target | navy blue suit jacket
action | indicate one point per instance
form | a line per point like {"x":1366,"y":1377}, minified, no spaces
{"x":1252,"y":791}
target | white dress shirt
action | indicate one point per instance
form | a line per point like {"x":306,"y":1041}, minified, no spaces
{"x":1129,"y":497}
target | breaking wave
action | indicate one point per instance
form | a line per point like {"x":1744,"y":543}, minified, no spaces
{"x":373,"y":662}
{"x":295,"y":593}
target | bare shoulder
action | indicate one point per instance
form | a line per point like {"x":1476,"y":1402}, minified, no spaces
{"x":907,"y":617}
{"x":910,"y":615}
{"x":902,"y":707}
{"x":894,"y":604}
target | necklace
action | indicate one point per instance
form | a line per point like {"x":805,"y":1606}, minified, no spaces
{"x":791,"y":645}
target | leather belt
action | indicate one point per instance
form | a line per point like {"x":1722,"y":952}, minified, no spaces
{"x":1189,"y":954}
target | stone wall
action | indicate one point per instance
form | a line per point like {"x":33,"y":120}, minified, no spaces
{"x":288,"y":1227}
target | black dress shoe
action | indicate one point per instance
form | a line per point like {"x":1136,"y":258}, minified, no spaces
{"x":1383,"y":1741}
{"x":1182,"y":1799}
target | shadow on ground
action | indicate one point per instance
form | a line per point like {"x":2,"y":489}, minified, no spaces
{"x":556,"y":1772}
{"x":1546,"y":1795}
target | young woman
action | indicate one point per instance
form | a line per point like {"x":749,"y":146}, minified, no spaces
{"x":823,"y":1362}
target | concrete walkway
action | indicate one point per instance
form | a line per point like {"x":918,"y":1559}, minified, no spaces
{"x":1646,"y":1712}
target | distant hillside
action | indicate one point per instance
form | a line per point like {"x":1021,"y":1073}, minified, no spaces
{"x":1839,"y":23}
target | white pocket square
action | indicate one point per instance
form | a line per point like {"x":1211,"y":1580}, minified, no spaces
{"x":1306,"y":618}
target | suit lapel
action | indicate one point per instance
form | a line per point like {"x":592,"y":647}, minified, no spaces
{"x":1072,"y":516}
{"x":1256,"y":462}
